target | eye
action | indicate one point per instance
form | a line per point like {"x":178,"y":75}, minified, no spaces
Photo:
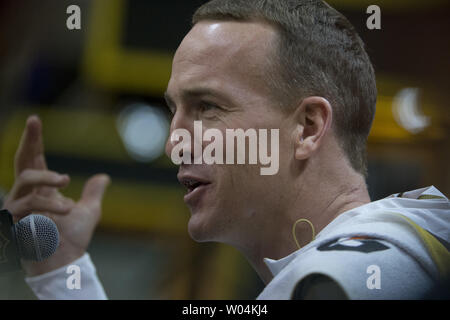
{"x":205,"y":106}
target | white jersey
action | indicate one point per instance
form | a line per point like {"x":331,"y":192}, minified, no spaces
{"x":394,"y":248}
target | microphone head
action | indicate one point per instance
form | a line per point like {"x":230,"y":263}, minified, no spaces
{"x":37,"y":237}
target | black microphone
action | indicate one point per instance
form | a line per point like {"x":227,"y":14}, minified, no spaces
{"x":34,"y":238}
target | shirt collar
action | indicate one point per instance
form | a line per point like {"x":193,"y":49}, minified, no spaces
{"x":275,"y":266}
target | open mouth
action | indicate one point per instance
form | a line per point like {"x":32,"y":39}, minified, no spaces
{"x":197,"y":188}
{"x":192,"y":184}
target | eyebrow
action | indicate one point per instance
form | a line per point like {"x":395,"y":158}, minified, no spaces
{"x":195,"y":93}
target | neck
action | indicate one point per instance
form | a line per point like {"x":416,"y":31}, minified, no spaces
{"x":319,"y":202}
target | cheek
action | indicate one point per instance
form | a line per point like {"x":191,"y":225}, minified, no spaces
{"x":240,"y":186}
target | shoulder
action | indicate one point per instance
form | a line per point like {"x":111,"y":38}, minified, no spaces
{"x":355,"y":268}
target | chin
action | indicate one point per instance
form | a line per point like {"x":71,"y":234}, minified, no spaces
{"x":197,"y":229}
{"x":200,"y":229}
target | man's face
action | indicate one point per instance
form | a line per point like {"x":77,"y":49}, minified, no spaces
{"x":219,"y":77}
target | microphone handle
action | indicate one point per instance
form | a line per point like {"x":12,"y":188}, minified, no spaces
{"x":9,"y":250}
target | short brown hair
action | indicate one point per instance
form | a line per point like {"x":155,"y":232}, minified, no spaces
{"x":319,"y":53}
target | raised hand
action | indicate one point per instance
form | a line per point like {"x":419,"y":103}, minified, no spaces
{"x":36,"y":190}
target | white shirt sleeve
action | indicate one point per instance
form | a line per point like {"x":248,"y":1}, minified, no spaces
{"x":62,"y":283}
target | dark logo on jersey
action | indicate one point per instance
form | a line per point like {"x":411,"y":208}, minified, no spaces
{"x":359,"y":244}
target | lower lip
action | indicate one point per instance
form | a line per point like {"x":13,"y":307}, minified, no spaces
{"x":195,"y":195}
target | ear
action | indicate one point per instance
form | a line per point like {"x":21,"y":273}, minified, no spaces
{"x":314,"y":118}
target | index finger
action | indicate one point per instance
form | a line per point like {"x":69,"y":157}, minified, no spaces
{"x":30,"y":154}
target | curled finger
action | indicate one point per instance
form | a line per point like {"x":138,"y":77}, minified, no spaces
{"x":37,"y":203}
{"x":31,"y":178}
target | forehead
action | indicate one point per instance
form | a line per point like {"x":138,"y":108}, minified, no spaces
{"x":221,"y":53}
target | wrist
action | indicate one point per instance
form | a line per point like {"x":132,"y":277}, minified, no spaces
{"x":56,"y":261}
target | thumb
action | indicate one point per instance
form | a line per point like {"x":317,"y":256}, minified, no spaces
{"x":94,"y":189}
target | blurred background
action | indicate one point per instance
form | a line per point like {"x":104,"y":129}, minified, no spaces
{"x":99,"y":92}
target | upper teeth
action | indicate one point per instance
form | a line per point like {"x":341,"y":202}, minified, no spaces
{"x":190,"y":182}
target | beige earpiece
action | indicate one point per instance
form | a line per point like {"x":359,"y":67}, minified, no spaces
{"x":295,"y":224}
